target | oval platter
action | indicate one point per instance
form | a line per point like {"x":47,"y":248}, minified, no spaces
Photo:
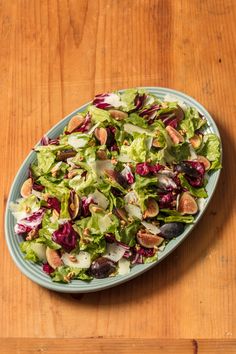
{"x":35,"y":273}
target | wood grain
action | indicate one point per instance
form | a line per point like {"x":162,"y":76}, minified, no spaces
{"x":55,"y":55}
{"x":122,"y":346}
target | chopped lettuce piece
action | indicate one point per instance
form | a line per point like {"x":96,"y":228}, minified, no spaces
{"x":196,"y":192}
{"x":211,"y":149}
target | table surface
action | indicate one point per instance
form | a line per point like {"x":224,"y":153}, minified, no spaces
{"x":55,"y":55}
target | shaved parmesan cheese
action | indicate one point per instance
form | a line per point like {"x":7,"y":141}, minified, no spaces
{"x":99,"y":199}
{"x":82,"y":260}
{"x":150,"y":227}
{"x":114,"y":252}
{"x":133,"y":211}
{"x":130,"y":128}
{"x":40,"y":251}
{"x":77,"y":141}
{"x":123,"y":266}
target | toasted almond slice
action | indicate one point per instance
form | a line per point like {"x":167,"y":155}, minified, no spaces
{"x":75,"y":122}
{"x":175,"y":136}
{"x":118,"y":115}
{"x":53,"y":258}
{"x":26,"y":188}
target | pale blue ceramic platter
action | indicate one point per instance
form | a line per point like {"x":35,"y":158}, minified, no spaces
{"x":35,"y":273}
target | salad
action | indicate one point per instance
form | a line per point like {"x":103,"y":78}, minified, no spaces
{"x":123,"y":178}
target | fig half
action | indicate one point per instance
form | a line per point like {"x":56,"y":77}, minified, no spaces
{"x":118,"y":115}
{"x":74,"y":205}
{"x":204,"y":161}
{"x":187,"y":204}
{"x":148,"y":240}
{"x":196,"y":141}
{"x":152,"y":208}
{"x":26,"y":188}
{"x":175,"y":136}
{"x":101,"y":135}
{"x":75,"y":122}
{"x":53,"y":258}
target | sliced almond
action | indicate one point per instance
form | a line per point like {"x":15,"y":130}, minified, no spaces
{"x":204,"y":161}
{"x":152,"y":208}
{"x":148,"y":240}
{"x":53,"y":258}
{"x":101,"y":135}
{"x":75,"y":122}
{"x":175,"y":136}
{"x":26,"y":188}
{"x":118,"y":115}
{"x":187,"y":204}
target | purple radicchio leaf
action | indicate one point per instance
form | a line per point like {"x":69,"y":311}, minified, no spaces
{"x":66,"y":236}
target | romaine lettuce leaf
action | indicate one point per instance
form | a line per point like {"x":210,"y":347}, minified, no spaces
{"x":211,"y":150}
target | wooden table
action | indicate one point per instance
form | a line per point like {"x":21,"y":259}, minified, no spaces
{"x":55,"y":55}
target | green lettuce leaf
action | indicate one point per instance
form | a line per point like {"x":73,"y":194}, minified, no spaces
{"x":127,"y":98}
{"x":191,"y":122}
{"x":197,"y":192}
{"x":60,"y":191}
{"x":174,"y":216}
{"x":99,"y":115}
{"x":61,"y":273}
{"x":135,"y":119}
{"x":180,"y":152}
{"x":45,"y":161}
{"x":127,"y":234}
{"x":138,"y":149}
{"x":212,"y":150}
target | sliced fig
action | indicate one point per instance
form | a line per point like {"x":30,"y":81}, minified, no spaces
{"x":175,"y":136}
{"x":196,"y":141}
{"x":75,"y":122}
{"x":102,"y":267}
{"x":204,"y":161}
{"x":118,"y":115}
{"x":148,"y":240}
{"x":172,"y":229}
{"x":121,"y":214}
{"x":187,"y":204}
{"x":74,"y":205}
{"x":152,"y":208}
{"x":101,"y":135}
{"x":53,"y":258}
{"x":117,"y":177}
{"x":64,"y":155}
{"x":26,"y":188}
{"x":102,"y":155}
